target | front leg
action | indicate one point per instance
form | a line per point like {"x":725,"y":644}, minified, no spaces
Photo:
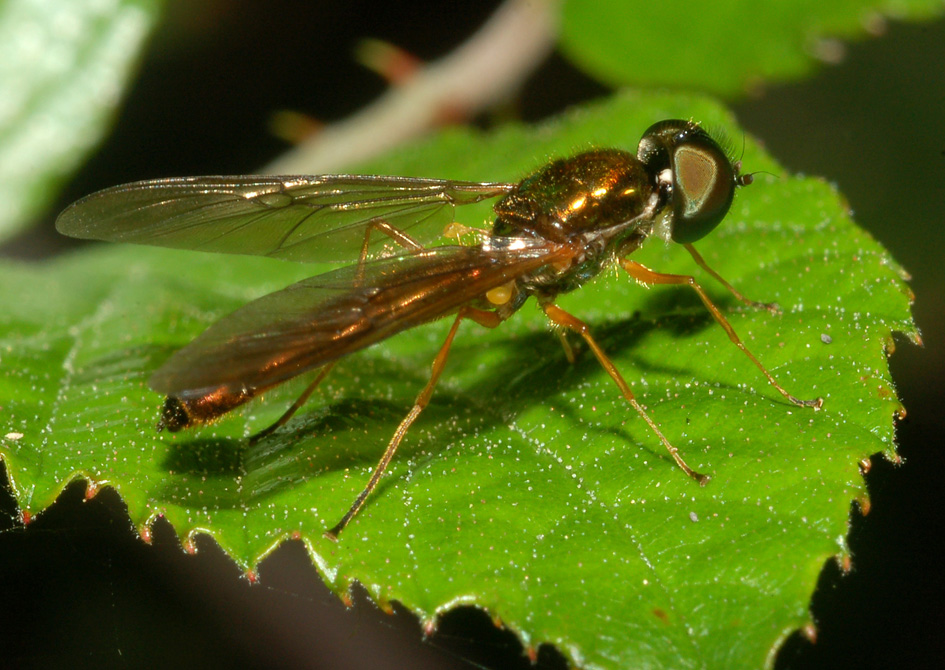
{"x":697,"y":257}
{"x":645,"y":275}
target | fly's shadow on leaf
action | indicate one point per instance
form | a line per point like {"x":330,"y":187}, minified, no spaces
{"x":205,"y":457}
{"x":680,"y":310}
{"x":541,"y":368}
{"x":351,"y":432}
{"x":331,"y":438}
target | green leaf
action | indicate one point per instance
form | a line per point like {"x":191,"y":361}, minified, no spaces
{"x":528,"y":487}
{"x":722,"y":47}
{"x":63,"y":66}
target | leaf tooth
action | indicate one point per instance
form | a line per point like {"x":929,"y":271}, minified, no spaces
{"x":809,"y":631}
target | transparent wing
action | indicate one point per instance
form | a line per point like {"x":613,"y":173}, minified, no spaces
{"x":318,"y":320}
{"x":299,"y":218}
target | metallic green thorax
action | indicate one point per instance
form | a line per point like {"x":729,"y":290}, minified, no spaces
{"x":590,"y":192}
{"x":603,"y":200}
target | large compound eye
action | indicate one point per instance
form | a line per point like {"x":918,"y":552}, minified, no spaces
{"x":704,"y":188}
{"x":703,"y":178}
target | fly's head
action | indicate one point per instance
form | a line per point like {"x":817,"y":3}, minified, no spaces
{"x":696,"y":178}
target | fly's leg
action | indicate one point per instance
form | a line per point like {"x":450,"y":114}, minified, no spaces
{"x":569,"y":352}
{"x":646,"y":276}
{"x":306,"y":394}
{"x":697,"y":257}
{"x":483,"y":318}
{"x":567,"y":320}
{"x":399,"y":236}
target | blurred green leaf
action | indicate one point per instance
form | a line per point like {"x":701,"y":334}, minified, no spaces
{"x":63,"y":68}
{"x":528,"y":488}
{"x":722,"y":47}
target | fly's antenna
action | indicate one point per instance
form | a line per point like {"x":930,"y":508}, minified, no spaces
{"x":746,"y":179}
{"x":749,"y":177}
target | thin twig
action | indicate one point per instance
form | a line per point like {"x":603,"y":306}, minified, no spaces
{"x":480,"y":72}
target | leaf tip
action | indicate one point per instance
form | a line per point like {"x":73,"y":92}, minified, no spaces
{"x":809,"y":631}
{"x":864,"y":505}
{"x":91,"y":489}
{"x":532,"y":653}
{"x":845,"y":561}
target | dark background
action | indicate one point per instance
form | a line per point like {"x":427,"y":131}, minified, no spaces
{"x":78,"y":588}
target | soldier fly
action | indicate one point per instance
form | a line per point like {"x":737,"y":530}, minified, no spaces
{"x":553,"y":231}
